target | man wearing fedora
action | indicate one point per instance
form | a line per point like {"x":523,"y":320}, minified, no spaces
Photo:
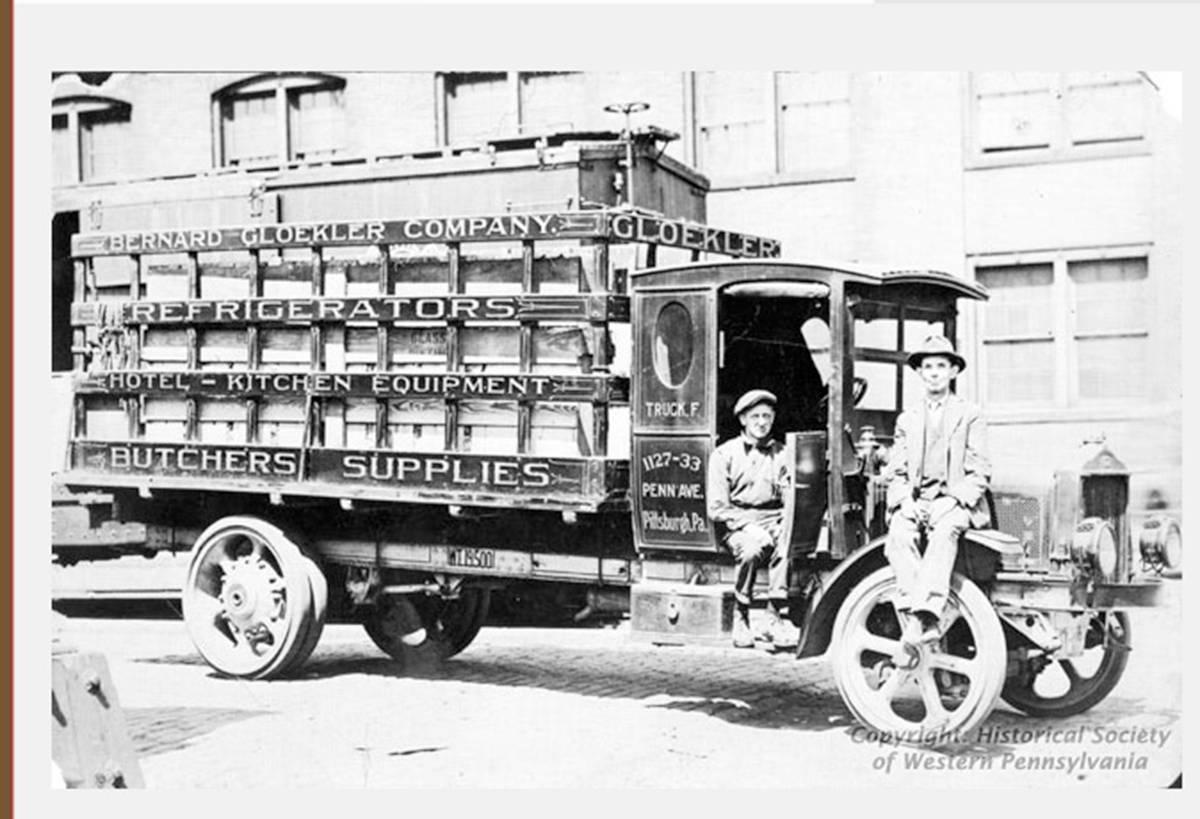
{"x":939,"y":471}
{"x":747,"y":478}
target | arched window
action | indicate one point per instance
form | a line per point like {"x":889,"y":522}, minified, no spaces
{"x":270,"y":119}
{"x":88,"y":126}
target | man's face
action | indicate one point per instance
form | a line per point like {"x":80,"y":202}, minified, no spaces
{"x":757,"y":421}
{"x":937,"y":372}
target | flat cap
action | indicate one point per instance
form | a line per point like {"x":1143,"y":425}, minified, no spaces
{"x":752,"y":399}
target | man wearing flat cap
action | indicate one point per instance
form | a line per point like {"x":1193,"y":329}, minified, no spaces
{"x":939,"y":472}
{"x":747,"y":478}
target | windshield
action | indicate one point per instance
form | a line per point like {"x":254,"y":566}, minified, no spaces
{"x":883,"y":332}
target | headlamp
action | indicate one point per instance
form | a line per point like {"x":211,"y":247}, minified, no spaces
{"x":1094,"y":545}
{"x":1161,"y":544}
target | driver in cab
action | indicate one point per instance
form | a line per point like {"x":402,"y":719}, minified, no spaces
{"x":747,"y":478}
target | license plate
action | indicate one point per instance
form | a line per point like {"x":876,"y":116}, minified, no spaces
{"x":463,"y":558}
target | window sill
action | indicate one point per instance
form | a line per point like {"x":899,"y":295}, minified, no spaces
{"x":773,"y":180}
{"x":1131,"y":411}
{"x":978,"y":161}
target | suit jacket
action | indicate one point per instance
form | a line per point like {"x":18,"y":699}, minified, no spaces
{"x":967,"y":469}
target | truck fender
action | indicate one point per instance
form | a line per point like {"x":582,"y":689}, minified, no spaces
{"x":980,"y":554}
{"x":831,"y":591}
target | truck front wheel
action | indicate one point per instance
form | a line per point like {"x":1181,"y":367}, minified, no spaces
{"x":1064,"y":687}
{"x":929,"y":694}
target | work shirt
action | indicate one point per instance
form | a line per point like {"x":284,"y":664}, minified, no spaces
{"x":746,"y":482}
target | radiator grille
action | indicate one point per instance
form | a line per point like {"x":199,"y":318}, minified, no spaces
{"x":1022,"y":517}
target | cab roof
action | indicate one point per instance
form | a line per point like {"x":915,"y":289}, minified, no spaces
{"x":718,"y":274}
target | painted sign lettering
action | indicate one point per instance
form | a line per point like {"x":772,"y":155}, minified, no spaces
{"x":626,"y":227}
{"x":423,"y":472}
{"x":633,"y":227}
{"x":175,"y":459}
{"x":436,"y":470}
{"x":376,"y":385}
{"x":669,"y":482}
{"x":329,"y":234}
{"x":379,"y":308}
{"x":672,"y":409}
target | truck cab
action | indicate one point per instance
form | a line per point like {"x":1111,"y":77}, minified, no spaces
{"x":828,"y":341}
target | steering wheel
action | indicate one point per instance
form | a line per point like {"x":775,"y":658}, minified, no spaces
{"x":857,"y":392}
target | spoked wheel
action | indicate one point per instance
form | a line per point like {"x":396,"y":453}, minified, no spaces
{"x":927,"y":694}
{"x":450,"y":625}
{"x":1046,"y":687}
{"x":254,"y":602}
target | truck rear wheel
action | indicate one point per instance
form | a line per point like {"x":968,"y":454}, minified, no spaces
{"x":253,"y":601}
{"x":450,"y":625}
{"x":926,"y":695}
{"x":1069,"y":686}
{"x":316,"y":624}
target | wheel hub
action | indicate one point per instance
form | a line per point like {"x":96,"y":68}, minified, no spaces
{"x":251,"y":594}
{"x":909,"y":656}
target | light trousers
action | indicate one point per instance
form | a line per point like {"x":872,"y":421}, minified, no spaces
{"x":924,"y":581}
{"x":753,"y":546}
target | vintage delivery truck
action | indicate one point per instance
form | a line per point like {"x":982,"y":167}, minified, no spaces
{"x":387,"y":419}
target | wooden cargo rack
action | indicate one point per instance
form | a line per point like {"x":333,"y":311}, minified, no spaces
{"x":475,"y":360}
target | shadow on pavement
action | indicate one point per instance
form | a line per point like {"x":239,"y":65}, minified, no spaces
{"x":749,"y":688}
{"x":161,"y":730}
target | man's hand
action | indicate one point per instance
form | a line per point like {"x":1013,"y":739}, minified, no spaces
{"x":914,"y":511}
{"x":941,"y":506}
{"x":759,"y":536}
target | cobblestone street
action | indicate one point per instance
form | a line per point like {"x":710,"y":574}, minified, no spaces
{"x":584,"y":707}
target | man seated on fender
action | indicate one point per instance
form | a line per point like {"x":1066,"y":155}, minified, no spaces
{"x":939,"y":472}
{"x":747,"y":478}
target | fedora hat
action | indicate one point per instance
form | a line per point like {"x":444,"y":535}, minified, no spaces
{"x":936,"y":346}
{"x":752,"y":399}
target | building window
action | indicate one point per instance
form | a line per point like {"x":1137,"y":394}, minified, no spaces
{"x":1050,"y":115}
{"x":250,"y":128}
{"x":89,"y":135}
{"x":318,"y":118}
{"x":1065,"y":331}
{"x":479,"y":106}
{"x":788,"y":123}
{"x":61,"y":148}
{"x":814,"y":120}
{"x":553,"y":101}
{"x":1111,"y":313}
{"x":1019,"y":340}
{"x":102,"y":135}
{"x":731,"y":123}
{"x":278,"y":118}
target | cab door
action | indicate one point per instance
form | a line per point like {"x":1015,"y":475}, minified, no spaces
{"x":673,"y":406}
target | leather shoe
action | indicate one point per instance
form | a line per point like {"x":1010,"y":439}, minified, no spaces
{"x":778,"y":632}
{"x":923,"y":627}
{"x":742,"y":638}
{"x":784,"y":635}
